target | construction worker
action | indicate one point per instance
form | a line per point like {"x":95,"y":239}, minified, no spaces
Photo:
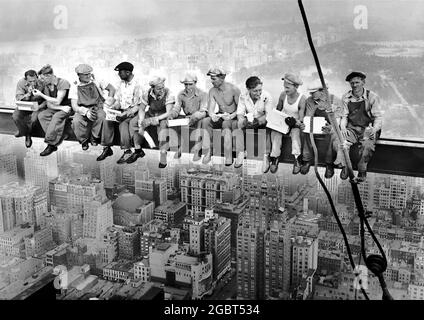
{"x":87,"y":102}
{"x":252,"y":108}
{"x":194,"y":103}
{"x":53,"y":118}
{"x":226,"y":95}
{"x":317,"y":106}
{"x":362,"y":120}
{"x":128,"y":99}
{"x":292,"y":103}
{"x":26,"y":120}
{"x":160,"y":102}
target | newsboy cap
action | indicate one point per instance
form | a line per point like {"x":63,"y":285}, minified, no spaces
{"x":354,"y":74}
{"x":293,"y":79}
{"x":83,"y":68}
{"x":216,"y":71}
{"x":124,"y":66}
{"x":156,"y":80}
{"x":315,"y":86}
{"x":189,"y":78}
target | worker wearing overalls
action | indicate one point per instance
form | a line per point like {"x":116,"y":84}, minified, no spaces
{"x":161,"y":102}
{"x":316,"y":105}
{"x":87,"y":103}
{"x":362,"y":120}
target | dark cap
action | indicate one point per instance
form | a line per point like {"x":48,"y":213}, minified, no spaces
{"x":355,"y":74}
{"x":124,"y":66}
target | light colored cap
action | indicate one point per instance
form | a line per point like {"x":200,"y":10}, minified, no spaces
{"x":189,"y":78}
{"x":293,"y":79}
{"x":156,"y":80}
{"x":216,"y":71}
{"x":315,"y":86}
{"x":83,"y":69}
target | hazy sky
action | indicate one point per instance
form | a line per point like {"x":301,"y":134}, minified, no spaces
{"x":35,"y":19}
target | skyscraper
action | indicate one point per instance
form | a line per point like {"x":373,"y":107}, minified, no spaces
{"x":67,"y":192}
{"x":304,"y":257}
{"x":277,"y":260}
{"x":98,"y":216}
{"x":201,"y":190}
{"x":218,"y":242}
{"x":8,"y":168}
{"x":20,"y":204}
{"x":266,"y":203}
{"x":40,"y":170}
{"x":153,"y":190}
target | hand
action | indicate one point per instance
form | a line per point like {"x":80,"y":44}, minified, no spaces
{"x":226,"y":116}
{"x":109,"y":102}
{"x":192,"y":120}
{"x":91,"y":115}
{"x":154,"y":121}
{"x":241,"y":123}
{"x":214,"y":117}
{"x":36,"y":92}
{"x":145,"y":123}
{"x":170,"y":117}
{"x":301,"y":125}
{"x":372,"y":133}
{"x":326,"y":129}
{"x":66,"y":109}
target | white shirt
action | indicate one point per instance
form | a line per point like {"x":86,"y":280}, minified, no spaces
{"x":262,"y":106}
{"x":129,"y":94}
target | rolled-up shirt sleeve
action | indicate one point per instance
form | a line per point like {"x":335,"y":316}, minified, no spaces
{"x":268,"y":103}
{"x":203,"y":102}
{"x":170,"y":98}
{"x":176,"y":109}
{"x":138,"y":95}
{"x":21,"y":90}
{"x":241,"y":107}
{"x":145,"y":98}
{"x":344,"y":107}
{"x":73,"y":92}
{"x":376,"y":111}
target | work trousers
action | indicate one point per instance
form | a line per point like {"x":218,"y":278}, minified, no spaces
{"x":53,"y":123}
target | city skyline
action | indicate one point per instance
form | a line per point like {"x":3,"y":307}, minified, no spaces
{"x":123,"y":233}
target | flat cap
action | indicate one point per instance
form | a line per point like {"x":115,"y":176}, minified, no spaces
{"x":83,"y":68}
{"x":189,"y":78}
{"x":315,"y":86}
{"x":293,"y":79}
{"x":156,"y":80}
{"x":216,"y":71}
{"x":355,"y":74}
{"x":124,"y":66}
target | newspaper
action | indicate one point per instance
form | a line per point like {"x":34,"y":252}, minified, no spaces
{"x":111,"y":114}
{"x":178,"y":122}
{"x":276,"y":121}
{"x":314,"y":126}
{"x":27,"y":105}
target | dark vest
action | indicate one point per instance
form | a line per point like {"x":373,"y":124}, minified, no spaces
{"x":157,"y":107}
{"x":53,"y":93}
